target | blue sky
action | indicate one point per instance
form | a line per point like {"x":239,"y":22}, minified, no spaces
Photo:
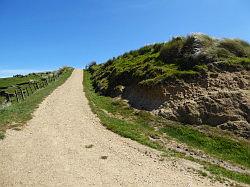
{"x":37,"y":35}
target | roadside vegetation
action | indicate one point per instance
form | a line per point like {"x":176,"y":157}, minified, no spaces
{"x":220,"y":172}
{"x":17,"y":114}
{"x":147,"y":129}
{"x":107,"y":110}
{"x":180,"y":58}
{"x":222,"y":147}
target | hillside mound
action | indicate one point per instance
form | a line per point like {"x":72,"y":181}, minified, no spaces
{"x":195,"y":79}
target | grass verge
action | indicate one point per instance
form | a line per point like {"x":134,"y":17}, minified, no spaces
{"x":219,"y":171}
{"x":219,"y":146}
{"x":103,"y":105}
{"x":19,"y":113}
{"x":139,"y":126}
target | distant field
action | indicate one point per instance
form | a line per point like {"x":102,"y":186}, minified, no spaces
{"x":13,"y":84}
{"x":22,"y":80}
{"x":6,"y":82}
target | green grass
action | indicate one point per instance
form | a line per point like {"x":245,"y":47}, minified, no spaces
{"x":219,"y":146}
{"x":6,"y":82}
{"x":222,"y":172}
{"x":217,"y":172}
{"x":133,"y":125}
{"x":10,"y":84}
{"x":102,"y":106}
{"x":19,"y":113}
{"x":236,"y":62}
{"x":222,"y":147}
{"x":138,"y":126}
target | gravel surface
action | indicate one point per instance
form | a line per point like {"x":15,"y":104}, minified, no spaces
{"x":66,"y":145}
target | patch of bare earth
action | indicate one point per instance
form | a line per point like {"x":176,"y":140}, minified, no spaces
{"x":66,"y":145}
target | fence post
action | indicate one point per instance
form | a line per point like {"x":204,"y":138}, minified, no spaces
{"x":17,"y":99}
{"x":27,"y":91}
{"x":8,"y":98}
{"x":30,"y":89}
{"x":21,"y":93}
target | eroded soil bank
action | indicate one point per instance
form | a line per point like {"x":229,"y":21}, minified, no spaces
{"x":218,"y":99}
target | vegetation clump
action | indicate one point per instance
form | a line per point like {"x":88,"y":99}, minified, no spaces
{"x":180,"y":58}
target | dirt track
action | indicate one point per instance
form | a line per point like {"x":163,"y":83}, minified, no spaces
{"x":50,"y":150}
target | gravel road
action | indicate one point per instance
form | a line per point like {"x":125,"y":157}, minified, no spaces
{"x":66,"y":145}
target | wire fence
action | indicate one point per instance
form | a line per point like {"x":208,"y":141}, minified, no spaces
{"x":20,"y":92}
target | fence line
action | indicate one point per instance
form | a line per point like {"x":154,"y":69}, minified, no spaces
{"x":30,"y":88}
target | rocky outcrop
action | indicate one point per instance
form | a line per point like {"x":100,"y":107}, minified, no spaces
{"x":218,"y":99}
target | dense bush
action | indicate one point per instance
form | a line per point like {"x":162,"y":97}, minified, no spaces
{"x":145,"y":49}
{"x":172,"y":50}
{"x":90,"y":66}
{"x":199,"y":49}
{"x":188,"y":51}
{"x":237,"y":47}
{"x":157,"y":47}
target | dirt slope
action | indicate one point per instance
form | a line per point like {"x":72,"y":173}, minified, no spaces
{"x":50,"y":150}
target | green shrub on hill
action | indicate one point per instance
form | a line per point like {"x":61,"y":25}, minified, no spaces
{"x":180,"y":58}
{"x":237,"y":47}
{"x":172,"y":50}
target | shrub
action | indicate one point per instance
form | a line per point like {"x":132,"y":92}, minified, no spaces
{"x":197,"y":50}
{"x":189,"y":51}
{"x":90,"y":66}
{"x":236,"y":47}
{"x":145,"y":50}
{"x":222,"y":53}
{"x":18,"y":75}
{"x":195,"y":43}
{"x":157,"y":47}
{"x":172,"y":50}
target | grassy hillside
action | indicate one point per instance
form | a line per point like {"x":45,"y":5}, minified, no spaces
{"x":194,"y":80}
{"x":180,"y":58}
{"x":11,"y":84}
{"x":140,"y":126}
{"x":6,"y":82}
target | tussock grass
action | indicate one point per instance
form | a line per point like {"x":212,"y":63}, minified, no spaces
{"x":180,"y":58}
